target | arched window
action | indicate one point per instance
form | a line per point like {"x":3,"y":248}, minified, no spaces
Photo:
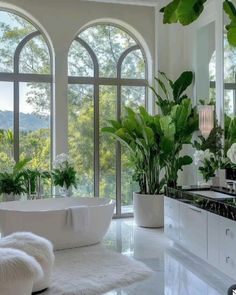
{"x":107,"y":71}
{"x":25,"y":92}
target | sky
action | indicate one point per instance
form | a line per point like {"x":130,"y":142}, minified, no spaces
{"x":6,"y":97}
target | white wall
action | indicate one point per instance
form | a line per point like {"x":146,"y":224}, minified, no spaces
{"x":61,"y":21}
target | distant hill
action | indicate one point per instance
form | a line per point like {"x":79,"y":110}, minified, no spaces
{"x":28,"y":122}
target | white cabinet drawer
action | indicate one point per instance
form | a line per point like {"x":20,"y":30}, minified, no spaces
{"x":228,"y":246}
{"x":193,"y":229}
{"x":213,"y":239}
{"x":228,"y":263}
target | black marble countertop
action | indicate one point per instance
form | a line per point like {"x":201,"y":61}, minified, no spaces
{"x":223,"y":207}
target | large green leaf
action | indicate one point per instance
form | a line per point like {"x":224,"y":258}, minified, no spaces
{"x":184,"y":161}
{"x":182,"y":11}
{"x":171,"y":12}
{"x":163,"y":87}
{"x":166,"y":146}
{"x":180,"y":114}
{"x":181,"y":84}
{"x":20,"y":165}
{"x":109,"y":130}
{"x":189,"y":10}
{"x":167,"y":127}
{"x":230,"y":10}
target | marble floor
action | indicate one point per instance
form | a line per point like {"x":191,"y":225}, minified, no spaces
{"x":176,"y":272}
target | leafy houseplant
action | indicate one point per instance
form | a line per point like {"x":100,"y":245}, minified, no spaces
{"x":175,"y":103}
{"x":64,"y":174}
{"x":147,"y":138}
{"x":11,"y":181}
{"x":187,"y":11}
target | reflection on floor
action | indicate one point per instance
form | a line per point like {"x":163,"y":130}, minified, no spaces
{"x":176,"y":272}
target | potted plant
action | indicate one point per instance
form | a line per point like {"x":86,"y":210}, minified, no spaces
{"x":173,"y":101}
{"x":147,"y":137}
{"x":64,"y":174}
{"x":209,"y":153}
{"x":12,"y":183}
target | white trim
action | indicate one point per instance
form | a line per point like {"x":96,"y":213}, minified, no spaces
{"x":219,"y":37}
{"x":150,"y":3}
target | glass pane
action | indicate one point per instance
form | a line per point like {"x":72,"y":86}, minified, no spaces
{"x":212,"y":94}
{"x":35,"y":124}
{"x":133,"y":66}
{"x":212,"y":67}
{"x":35,"y":57}
{"x":79,"y":61}
{"x":107,"y":104}
{"x":229,"y":103}
{"x":108,"y":43}
{"x":13,"y":29}
{"x":132,"y":97}
{"x":229,"y":62}
{"x":6,"y":125}
{"x":81,"y":138}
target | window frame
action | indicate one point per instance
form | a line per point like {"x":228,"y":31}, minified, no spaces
{"x":96,"y":81}
{"x":16,"y":77}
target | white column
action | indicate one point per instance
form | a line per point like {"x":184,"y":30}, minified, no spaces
{"x":60,"y":121}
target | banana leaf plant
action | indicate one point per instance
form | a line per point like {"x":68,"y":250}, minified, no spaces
{"x":148,"y":138}
{"x":176,"y":104}
{"x":187,"y":11}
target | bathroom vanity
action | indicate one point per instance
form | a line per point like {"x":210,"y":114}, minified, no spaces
{"x":204,"y":222}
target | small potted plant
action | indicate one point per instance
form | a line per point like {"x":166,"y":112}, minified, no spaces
{"x":12,"y":183}
{"x":64,"y":174}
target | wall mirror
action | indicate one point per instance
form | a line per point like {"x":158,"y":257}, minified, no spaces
{"x":229,"y":90}
{"x":206,"y":63}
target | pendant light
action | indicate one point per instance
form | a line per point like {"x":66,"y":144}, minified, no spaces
{"x":206,"y":119}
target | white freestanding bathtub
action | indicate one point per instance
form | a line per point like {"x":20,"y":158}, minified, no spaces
{"x":48,"y":218}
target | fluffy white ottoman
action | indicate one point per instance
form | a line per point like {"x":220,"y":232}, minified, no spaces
{"x":18,"y":272}
{"x":38,"y":247}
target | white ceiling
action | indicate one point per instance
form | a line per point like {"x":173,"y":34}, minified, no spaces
{"x":132,"y":2}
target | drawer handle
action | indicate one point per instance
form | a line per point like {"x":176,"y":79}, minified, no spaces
{"x":227,"y":231}
{"x":195,"y":210}
{"x":227,"y":259}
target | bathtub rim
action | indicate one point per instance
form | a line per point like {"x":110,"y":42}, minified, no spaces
{"x":109,"y":203}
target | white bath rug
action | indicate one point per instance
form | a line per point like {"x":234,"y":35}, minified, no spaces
{"x":94,"y":270}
